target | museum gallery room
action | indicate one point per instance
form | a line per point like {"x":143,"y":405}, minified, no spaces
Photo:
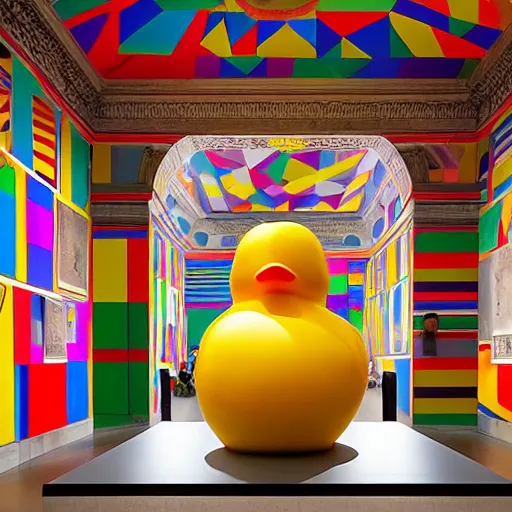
{"x":255,"y":255}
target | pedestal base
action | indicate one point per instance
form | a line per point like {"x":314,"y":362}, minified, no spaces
{"x":183,"y":467}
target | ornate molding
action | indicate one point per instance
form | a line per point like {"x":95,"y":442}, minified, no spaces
{"x":428,"y":214}
{"x":248,"y":106}
{"x":120,"y":214}
{"x":46,"y":47}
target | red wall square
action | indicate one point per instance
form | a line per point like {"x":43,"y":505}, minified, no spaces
{"x":138,"y":270}
{"x":505,"y":386}
{"x":22,"y":325}
{"x":46,"y":398}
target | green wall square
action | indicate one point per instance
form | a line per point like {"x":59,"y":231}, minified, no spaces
{"x":198,"y":320}
{"x":110,"y":325}
{"x":139,"y":389}
{"x":7,"y":180}
{"x":138,"y":327}
{"x":338,"y":285}
{"x":356,"y":319}
{"x":110,"y":388}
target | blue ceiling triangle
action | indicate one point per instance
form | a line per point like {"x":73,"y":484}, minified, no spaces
{"x":227,"y":70}
{"x":214,"y":18}
{"x":374,"y":39}
{"x":86,"y":33}
{"x":260,"y":71}
{"x":326,"y":39}
{"x":267,"y":28}
{"x":306,"y":29}
{"x":136,"y":16}
{"x":237,"y":25}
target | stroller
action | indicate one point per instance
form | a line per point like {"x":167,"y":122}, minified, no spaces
{"x":185,"y":386}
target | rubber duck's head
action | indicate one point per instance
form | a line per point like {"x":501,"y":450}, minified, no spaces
{"x":279,"y":257}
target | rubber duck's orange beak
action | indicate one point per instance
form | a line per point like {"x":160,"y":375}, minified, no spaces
{"x":275,"y":274}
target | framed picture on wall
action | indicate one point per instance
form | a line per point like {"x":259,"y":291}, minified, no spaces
{"x":2,"y":295}
{"x":72,"y":250}
{"x":55,"y":346}
{"x":70,"y":319}
{"x":172,"y":296}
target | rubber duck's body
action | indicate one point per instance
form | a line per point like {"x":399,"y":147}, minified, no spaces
{"x":297,"y":372}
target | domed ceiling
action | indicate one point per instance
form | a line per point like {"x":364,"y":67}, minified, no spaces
{"x":350,"y":190}
{"x":164,"y":39}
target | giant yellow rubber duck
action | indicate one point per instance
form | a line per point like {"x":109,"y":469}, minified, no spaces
{"x":278,"y":372}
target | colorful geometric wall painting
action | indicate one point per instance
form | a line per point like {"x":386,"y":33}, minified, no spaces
{"x":387,"y":311}
{"x":495,"y":380}
{"x":306,"y":39}
{"x":5,"y":97}
{"x":208,"y":294}
{"x":272,"y":180}
{"x":446,"y":282}
{"x":35,"y":397}
{"x":501,"y":151}
{"x":44,"y":131}
{"x":121,"y":331}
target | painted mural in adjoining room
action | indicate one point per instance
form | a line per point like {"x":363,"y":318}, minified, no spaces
{"x":168,"y":342}
{"x":125,"y":164}
{"x":304,"y":39}
{"x":442,"y":163}
{"x":207,"y":292}
{"x":45,"y":315}
{"x":495,"y":353}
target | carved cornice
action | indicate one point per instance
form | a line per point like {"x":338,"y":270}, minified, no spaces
{"x":120,"y":214}
{"x":246,"y":106}
{"x":428,"y":214}
{"x":48,"y":48}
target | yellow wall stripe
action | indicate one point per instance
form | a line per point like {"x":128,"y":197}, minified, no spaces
{"x":445,"y":405}
{"x":65,"y":159}
{"x":445,"y":378}
{"x":21,"y":226}
{"x":446,"y":274}
{"x":7,"y":434}
{"x":101,"y":163}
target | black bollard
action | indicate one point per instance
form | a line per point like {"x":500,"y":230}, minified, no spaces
{"x":165,"y":394}
{"x":389,"y":396}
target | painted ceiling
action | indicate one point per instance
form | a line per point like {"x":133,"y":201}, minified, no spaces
{"x":349,"y":190}
{"x":166,"y":39}
{"x":272,"y":180}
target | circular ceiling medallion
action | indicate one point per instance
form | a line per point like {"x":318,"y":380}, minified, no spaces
{"x":277,"y":9}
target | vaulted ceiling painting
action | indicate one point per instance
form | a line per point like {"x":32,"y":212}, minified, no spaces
{"x":164,"y":39}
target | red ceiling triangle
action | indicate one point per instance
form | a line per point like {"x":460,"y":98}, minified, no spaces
{"x":346,"y":23}
{"x":454,"y":47}
{"x":247,"y":44}
{"x":441,"y":6}
{"x":488,"y":14}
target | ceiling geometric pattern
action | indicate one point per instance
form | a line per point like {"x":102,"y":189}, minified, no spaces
{"x":209,"y":191}
{"x":165,"y":39}
{"x":272,"y":180}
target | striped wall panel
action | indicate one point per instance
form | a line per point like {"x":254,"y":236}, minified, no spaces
{"x":207,"y":283}
{"x":44,"y":140}
{"x":446,"y":282}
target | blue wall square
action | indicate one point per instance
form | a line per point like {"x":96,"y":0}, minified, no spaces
{"x":21,"y":401}
{"x":40,"y":267}
{"x":39,"y":193}
{"x":8,"y":234}
{"x":77,"y":395}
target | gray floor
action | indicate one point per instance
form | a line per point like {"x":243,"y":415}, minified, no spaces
{"x":187,"y":409}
